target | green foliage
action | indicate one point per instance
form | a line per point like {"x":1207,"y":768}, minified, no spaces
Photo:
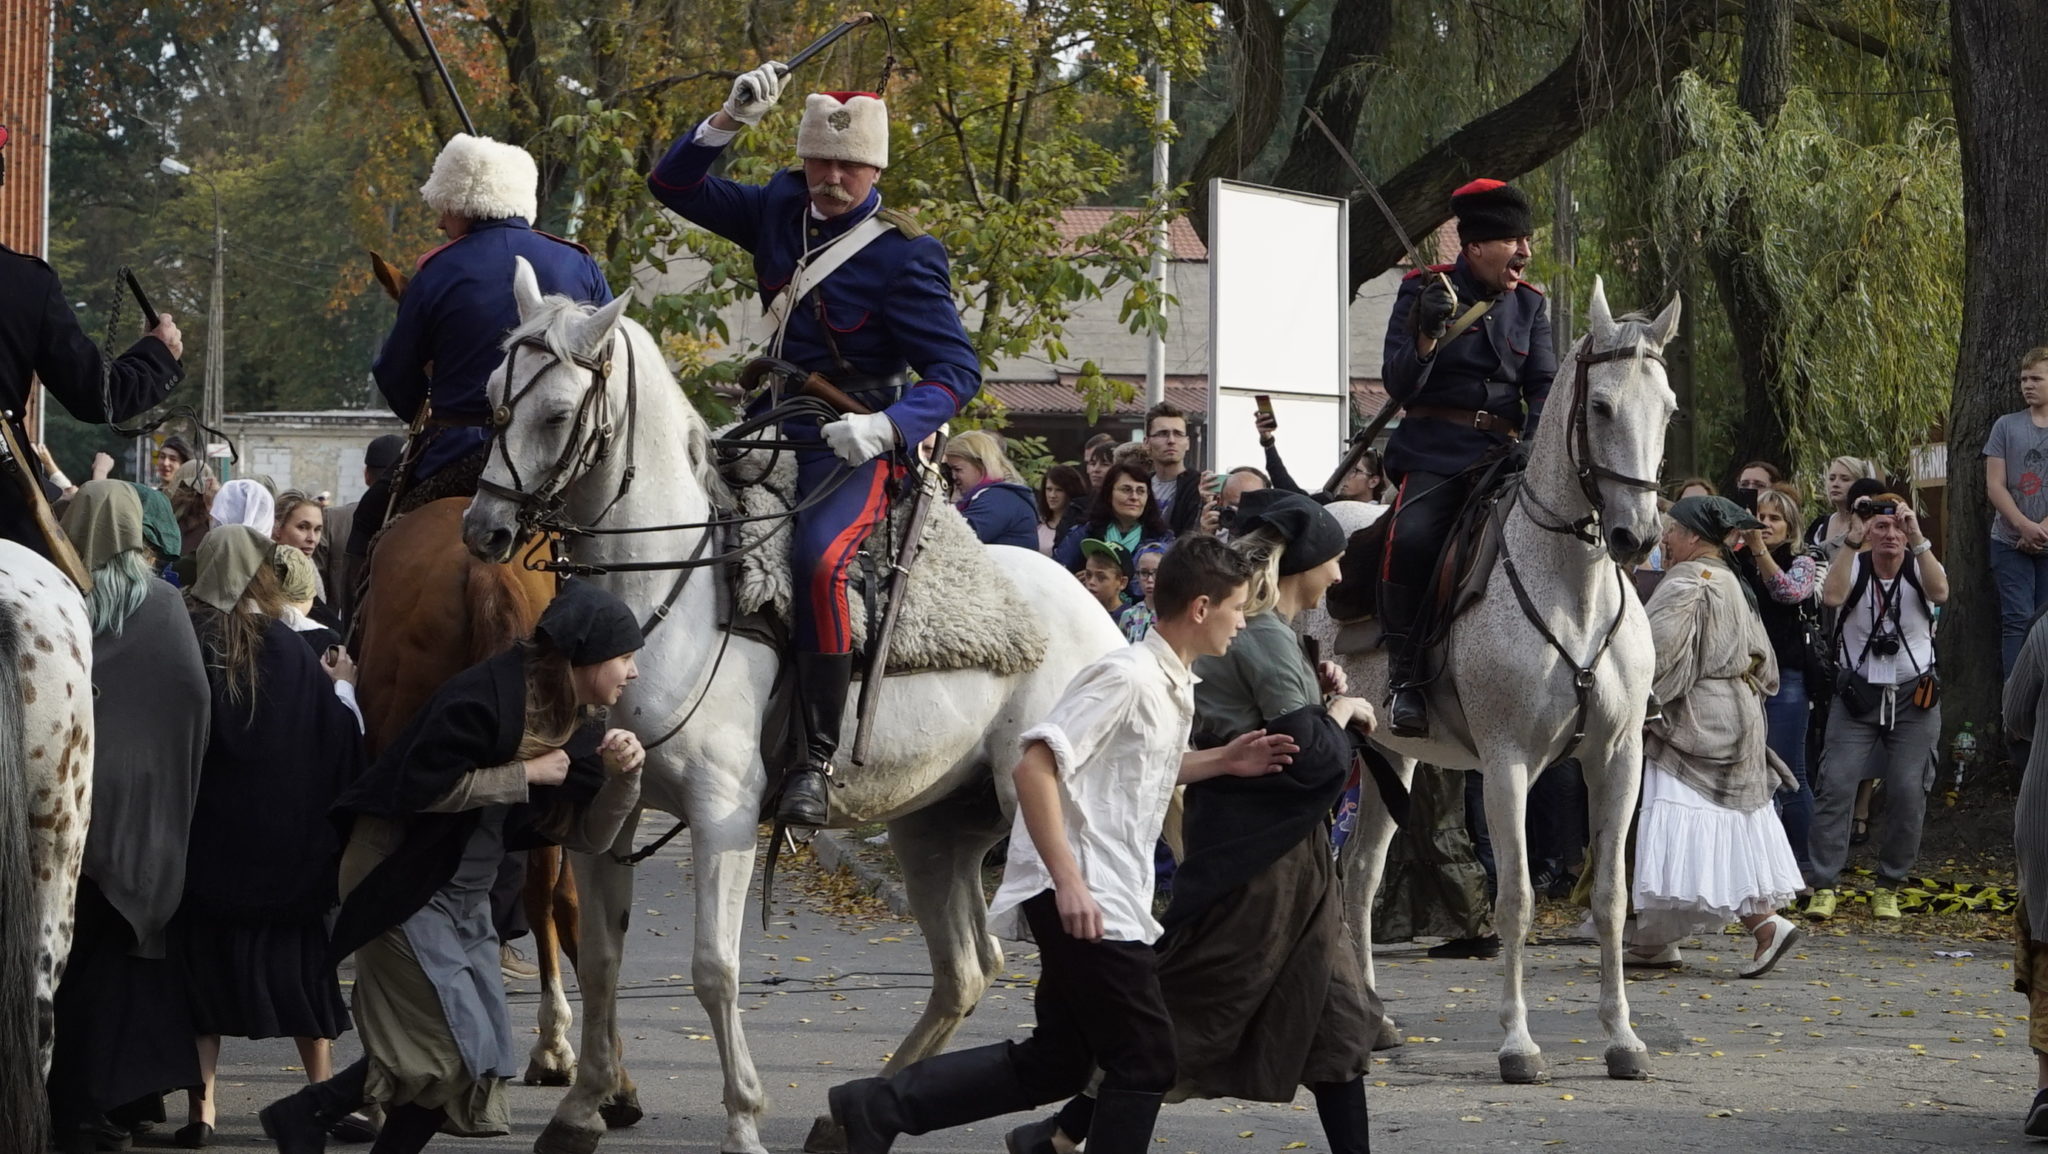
{"x":1862,"y":244}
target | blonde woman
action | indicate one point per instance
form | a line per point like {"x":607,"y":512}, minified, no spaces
{"x":987,"y":492}
{"x":1842,"y":473}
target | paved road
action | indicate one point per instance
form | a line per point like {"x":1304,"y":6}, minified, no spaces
{"x":1861,"y":1043}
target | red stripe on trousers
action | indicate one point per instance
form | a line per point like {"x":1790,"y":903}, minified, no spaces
{"x":1387,"y":550}
{"x":829,"y":613}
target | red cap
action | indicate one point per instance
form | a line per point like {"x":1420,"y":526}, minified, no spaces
{"x":1483,"y":184}
{"x":3,"y":136}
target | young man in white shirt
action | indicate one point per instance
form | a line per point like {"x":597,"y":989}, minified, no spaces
{"x":1092,"y":792}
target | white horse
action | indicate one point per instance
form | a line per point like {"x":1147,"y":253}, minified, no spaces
{"x":46,"y":742}
{"x":1568,"y":652}
{"x":583,"y":404}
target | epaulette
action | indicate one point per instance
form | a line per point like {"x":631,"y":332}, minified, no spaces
{"x":901,"y":221}
{"x":433,"y":252}
{"x":1412,"y":273}
{"x":1532,"y":288}
{"x":562,"y":240}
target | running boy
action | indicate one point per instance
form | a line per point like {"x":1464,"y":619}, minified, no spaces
{"x":1092,"y":791}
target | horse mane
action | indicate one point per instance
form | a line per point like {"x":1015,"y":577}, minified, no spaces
{"x":553,"y":327}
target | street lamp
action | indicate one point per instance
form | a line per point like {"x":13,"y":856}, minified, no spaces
{"x":212,"y":394}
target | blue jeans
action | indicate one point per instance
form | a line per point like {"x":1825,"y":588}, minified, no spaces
{"x":1785,"y":718}
{"x":2022,"y":580}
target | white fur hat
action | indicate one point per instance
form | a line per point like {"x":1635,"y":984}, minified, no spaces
{"x":850,"y":126}
{"x":483,"y":179}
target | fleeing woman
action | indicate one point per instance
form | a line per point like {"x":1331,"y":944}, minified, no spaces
{"x":510,"y":753}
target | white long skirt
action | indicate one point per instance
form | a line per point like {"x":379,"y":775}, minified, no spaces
{"x":1700,"y":866}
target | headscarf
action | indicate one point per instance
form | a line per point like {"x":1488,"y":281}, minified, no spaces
{"x":159,"y":524}
{"x":228,"y":561}
{"x":589,"y":625}
{"x":190,"y":476}
{"x":243,"y":501}
{"x":1713,"y":518}
{"x":103,"y":520}
{"x":295,"y":572}
{"x":1313,"y":535}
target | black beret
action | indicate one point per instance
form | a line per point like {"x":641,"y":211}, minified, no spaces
{"x":1491,"y":210}
{"x":588,"y":624}
{"x":1313,"y":535}
{"x":384,"y":452}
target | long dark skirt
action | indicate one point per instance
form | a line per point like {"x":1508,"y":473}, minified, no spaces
{"x":259,"y":980}
{"x":1264,"y":987}
{"x":123,"y":1028}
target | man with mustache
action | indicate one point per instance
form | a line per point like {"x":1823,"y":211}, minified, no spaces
{"x":1470,"y":383}
{"x":858,"y":293}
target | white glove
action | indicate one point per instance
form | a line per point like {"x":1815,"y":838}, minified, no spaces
{"x":754,"y":93}
{"x":861,"y":437}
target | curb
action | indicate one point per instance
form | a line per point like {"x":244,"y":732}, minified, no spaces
{"x":834,"y":850}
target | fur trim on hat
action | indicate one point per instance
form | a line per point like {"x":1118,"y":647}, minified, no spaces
{"x":849,"y":126}
{"x":483,"y":179}
{"x":1491,"y":210}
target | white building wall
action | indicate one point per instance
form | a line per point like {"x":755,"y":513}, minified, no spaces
{"x":310,"y":451}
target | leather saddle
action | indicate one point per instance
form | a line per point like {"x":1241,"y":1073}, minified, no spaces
{"x":1458,"y":580}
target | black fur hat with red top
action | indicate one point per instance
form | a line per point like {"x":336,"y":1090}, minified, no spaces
{"x":1491,"y":210}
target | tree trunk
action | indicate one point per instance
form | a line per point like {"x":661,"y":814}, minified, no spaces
{"x":1360,"y":32}
{"x":1261,"y":35}
{"x":1999,"y":86}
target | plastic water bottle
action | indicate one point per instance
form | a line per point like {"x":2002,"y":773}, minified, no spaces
{"x":1962,"y":750}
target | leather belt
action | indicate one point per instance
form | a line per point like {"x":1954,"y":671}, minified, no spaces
{"x":864,"y":385}
{"x":1479,"y":419}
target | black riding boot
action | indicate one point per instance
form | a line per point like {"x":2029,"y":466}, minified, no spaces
{"x":298,"y":1122}
{"x":1407,"y":710}
{"x":408,"y":1129}
{"x":821,"y":685}
{"x":1345,"y":1119}
{"x":942,"y":1091}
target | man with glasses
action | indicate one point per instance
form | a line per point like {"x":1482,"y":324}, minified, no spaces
{"x":1176,"y":487}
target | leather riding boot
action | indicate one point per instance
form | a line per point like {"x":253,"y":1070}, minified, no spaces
{"x":298,"y":1122}
{"x":1341,"y":1106}
{"x":1407,"y":709}
{"x":940,"y":1092}
{"x":821,"y":684}
{"x":1123,"y":1122}
{"x":408,"y":1128}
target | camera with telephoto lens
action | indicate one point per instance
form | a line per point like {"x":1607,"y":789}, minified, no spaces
{"x":1885,"y":645}
{"x":1867,"y":508}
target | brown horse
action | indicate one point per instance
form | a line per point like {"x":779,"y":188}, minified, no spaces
{"x":432,"y":611}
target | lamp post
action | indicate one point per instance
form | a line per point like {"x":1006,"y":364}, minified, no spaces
{"x":213,"y":392}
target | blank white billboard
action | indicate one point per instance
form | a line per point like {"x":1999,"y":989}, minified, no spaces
{"x":1279,"y":326}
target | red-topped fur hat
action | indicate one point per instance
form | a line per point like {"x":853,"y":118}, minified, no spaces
{"x":1490,"y":210}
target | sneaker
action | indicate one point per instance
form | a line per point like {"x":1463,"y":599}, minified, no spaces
{"x":2037,"y":1116}
{"x":1884,"y":904}
{"x":514,"y":965}
{"x":1821,"y":906}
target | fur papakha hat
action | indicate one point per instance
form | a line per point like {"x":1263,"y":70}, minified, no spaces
{"x":849,"y":126}
{"x":1491,"y":210}
{"x":483,"y":179}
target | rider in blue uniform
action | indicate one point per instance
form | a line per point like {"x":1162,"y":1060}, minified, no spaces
{"x":887,"y":310}
{"x":1464,"y":395}
{"x":454,"y":316}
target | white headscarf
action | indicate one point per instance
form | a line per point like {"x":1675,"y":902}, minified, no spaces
{"x":245,"y":502}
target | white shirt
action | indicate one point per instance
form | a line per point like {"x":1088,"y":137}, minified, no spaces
{"x":1915,"y":627}
{"x":1117,"y":736}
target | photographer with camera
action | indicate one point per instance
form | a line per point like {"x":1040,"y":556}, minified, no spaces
{"x":1885,"y":720}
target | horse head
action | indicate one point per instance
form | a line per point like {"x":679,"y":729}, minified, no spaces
{"x":555,"y":410}
{"x":1613,"y":423}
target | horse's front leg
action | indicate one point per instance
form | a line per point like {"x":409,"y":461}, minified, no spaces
{"x":1507,"y":804}
{"x":1614,"y":786}
{"x":939,"y":849}
{"x":1362,"y":864}
{"x":551,"y":1062}
{"x":724,"y":812}
{"x":605,"y":887}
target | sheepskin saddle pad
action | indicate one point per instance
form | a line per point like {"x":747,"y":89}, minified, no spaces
{"x":960,"y":610}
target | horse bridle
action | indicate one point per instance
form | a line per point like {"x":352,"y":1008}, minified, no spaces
{"x":590,"y":440}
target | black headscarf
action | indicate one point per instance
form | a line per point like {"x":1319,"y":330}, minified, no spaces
{"x":589,"y":625}
{"x":1313,"y":535}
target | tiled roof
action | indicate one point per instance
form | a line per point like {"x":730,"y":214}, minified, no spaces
{"x":1191,"y":393}
{"x":1076,"y":223}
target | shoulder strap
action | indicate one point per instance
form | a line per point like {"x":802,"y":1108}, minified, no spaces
{"x":812,"y":274}
{"x":1465,"y":321}
{"x":1862,"y":582}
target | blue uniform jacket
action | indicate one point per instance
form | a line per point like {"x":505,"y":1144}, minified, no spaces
{"x":454,"y":316}
{"x":1003,"y":513}
{"x":1501,"y":364}
{"x":890,"y":305}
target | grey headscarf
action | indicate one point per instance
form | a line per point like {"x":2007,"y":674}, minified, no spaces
{"x":1713,"y":518}
{"x":228,"y":561}
{"x":103,"y":520}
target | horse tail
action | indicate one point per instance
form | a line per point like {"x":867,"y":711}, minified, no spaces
{"x":500,"y":612}
{"x":26,"y":1019}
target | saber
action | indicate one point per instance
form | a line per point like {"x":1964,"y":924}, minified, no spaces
{"x":447,"y":81}
{"x":857,"y":20}
{"x":1363,"y":441}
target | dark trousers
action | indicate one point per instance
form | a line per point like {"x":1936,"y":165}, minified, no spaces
{"x":1423,"y":512}
{"x":1098,"y":1005}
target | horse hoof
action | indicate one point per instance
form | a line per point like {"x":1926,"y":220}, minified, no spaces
{"x":539,"y":1075}
{"x":621,"y":1109}
{"x":1628,"y":1065}
{"x":826,"y":1137}
{"x":1522,"y":1069}
{"x":561,"y":1138}
{"x":1388,"y":1037}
